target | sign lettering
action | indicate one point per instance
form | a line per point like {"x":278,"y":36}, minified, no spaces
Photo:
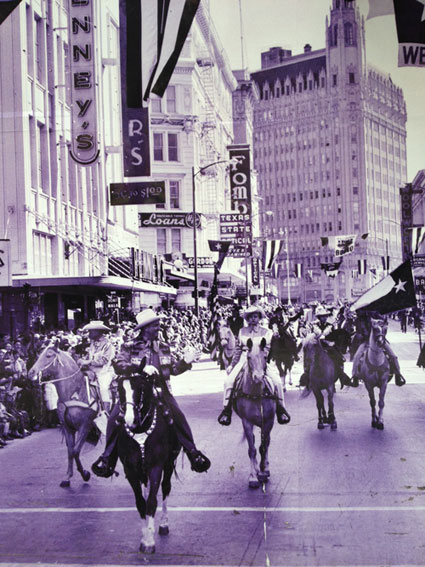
{"x":141,"y":193}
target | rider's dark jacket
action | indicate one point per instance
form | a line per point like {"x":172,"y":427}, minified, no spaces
{"x":131,"y":360}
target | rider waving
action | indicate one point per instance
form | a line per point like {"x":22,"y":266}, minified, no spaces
{"x":253,"y":331}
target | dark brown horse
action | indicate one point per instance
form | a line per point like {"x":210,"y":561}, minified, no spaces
{"x":75,"y":411}
{"x":256,"y":406}
{"x":148,"y":448}
{"x":283,"y":351}
{"x":323,"y":373}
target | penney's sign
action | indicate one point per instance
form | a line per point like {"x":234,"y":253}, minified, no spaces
{"x":84,"y":143}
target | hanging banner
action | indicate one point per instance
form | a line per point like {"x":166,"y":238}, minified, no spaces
{"x":409,"y":17}
{"x":6,"y":8}
{"x":84,"y":143}
{"x":135,"y":117}
{"x":5,"y":273}
{"x":406,"y":221}
{"x":255,"y":271}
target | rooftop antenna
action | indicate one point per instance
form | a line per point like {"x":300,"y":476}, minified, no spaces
{"x":242,"y":38}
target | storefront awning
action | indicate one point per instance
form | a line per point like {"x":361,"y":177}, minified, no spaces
{"x":106,"y":282}
{"x":176,"y":274}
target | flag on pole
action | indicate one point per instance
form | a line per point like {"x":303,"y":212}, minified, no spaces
{"x":394,"y":293}
{"x":362,"y":266}
{"x":271,"y":249}
{"x":222,"y":247}
{"x":298,"y":270}
{"x":171,"y":28}
{"x":7,"y":8}
{"x":380,"y":8}
{"x":385,"y":263}
{"x":212,"y":333}
{"x":410,"y":18}
{"x":418,"y":235}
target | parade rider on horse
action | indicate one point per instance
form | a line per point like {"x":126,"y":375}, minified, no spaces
{"x":395,"y":370}
{"x":253,"y":331}
{"x":97,"y":364}
{"x":148,"y":356}
{"x":320,"y":329}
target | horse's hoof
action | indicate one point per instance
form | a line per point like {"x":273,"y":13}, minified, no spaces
{"x":254,"y":484}
{"x":320,"y":426}
{"x":380,"y":426}
{"x":65,"y":484}
{"x":334,"y":426}
{"x":263,"y":477}
{"x":163,"y":530}
{"x":86,"y":476}
{"x":266,"y":473}
{"x":374,"y":424}
{"x":146,"y":548}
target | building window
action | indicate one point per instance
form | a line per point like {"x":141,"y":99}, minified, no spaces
{"x":335,"y":34}
{"x":171,"y":99}
{"x":161,"y":241}
{"x":158,"y":147}
{"x":351,"y":78}
{"x":155,"y":104}
{"x":355,"y":190}
{"x":176,"y":240}
{"x":172,"y":147}
{"x":334,"y":80}
{"x":39,"y":54}
{"x":349,"y":34}
{"x":174,"y":195}
{"x":42,"y":254}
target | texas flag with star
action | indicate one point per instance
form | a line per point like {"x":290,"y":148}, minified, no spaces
{"x":394,"y":293}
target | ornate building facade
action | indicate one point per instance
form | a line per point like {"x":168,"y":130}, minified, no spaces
{"x":330,"y":150}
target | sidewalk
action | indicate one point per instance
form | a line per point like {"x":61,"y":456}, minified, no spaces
{"x":207,"y":378}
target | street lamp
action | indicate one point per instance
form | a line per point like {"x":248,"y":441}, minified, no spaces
{"x":195,"y":247}
{"x":281,"y":232}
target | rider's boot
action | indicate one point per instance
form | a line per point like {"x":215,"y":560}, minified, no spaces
{"x":105,"y":464}
{"x":282,"y":415}
{"x":225,"y":417}
{"x":395,"y":369}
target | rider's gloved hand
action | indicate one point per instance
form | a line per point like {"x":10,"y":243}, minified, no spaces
{"x":150,"y":370}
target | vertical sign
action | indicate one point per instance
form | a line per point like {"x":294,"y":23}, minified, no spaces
{"x":240,"y":189}
{"x":5,"y":276}
{"x":135,"y":117}
{"x":406,"y":221}
{"x":255,"y":271}
{"x":84,"y":143}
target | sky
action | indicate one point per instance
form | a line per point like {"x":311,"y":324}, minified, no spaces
{"x":293,"y":23}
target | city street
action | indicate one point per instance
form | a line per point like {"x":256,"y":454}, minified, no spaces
{"x":351,"y":497}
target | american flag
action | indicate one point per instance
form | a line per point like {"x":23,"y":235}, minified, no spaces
{"x":212,"y":334}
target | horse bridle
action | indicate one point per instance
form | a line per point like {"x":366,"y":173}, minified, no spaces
{"x":55,"y":359}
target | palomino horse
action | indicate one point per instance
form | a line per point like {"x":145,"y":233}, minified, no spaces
{"x":76,"y":414}
{"x":255,"y":405}
{"x":227,"y":345}
{"x":374,"y":368}
{"x":148,"y":448}
{"x":323,"y":374}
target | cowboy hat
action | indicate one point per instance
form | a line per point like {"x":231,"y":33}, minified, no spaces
{"x":96,"y":326}
{"x":253,"y":309}
{"x":321,"y":311}
{"x":146,"y":317}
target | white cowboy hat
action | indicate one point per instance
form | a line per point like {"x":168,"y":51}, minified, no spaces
{"x":96,"y":326}
{"x":253,"y":309}
{"x":321,"y":311}
{"x":146,"y":317}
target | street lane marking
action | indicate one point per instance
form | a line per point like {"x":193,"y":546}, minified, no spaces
{"x":285,"y":509}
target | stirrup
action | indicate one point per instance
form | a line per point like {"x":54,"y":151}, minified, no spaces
{"x":102,"y":468}
{"x":400,"y":380}
{"x":282,"y":415}
{"x":225,"y":418}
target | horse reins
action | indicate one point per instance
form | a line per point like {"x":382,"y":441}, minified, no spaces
{"x":40,"y":374}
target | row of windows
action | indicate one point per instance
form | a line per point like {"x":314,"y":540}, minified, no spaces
{"x":172,"y":199}
{"x":165,"y":147}
{"x":168,"y":240}
{"x":166,"y":104}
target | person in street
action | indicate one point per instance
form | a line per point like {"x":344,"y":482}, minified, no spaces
{"x":392,"y":358}
{"x":321,"y":328}
{"x":402,"y":317}
{"x":97,"y":363}
{"x":148,"y":356}
{"x":254,"y":331}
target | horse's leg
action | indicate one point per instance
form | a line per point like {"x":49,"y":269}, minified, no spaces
{"x":282,"y":373}
{"x":331,"y":413}
{"x":320,"y":403}
{"x":70,"y":442}
{"x":166,"y":489}
{"x":264,"y":473}
{"x":81,"y":439}
{"x":372,"y":402}
{"x":147,"y":544}
{"x":381,"y":404}
{"x":252,"y":453}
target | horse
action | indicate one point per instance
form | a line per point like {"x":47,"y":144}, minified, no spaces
{"x":374,"y":368}
{"x":76,"y":412}
{"x":323,"y":373}
{"x":255,"y":404}
{"x":227,"y":345}
{"x":283,"y":351}
{"x":148,"y":449}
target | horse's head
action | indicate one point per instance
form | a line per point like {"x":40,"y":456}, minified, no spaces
{"x":257,"y":358}
{"x":136,"y":395}
{"x":223,"y":333}
{"x":379,"y":330}
{"x":52,"y":363}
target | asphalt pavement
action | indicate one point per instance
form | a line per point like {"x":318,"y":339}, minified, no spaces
{"x":351,"y":497}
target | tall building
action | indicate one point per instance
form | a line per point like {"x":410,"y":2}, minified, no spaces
{"x":69,"y":254}
{"x":330,"y":150}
